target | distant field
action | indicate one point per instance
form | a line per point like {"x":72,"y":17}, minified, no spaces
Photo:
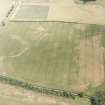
{"x":53,"y":54}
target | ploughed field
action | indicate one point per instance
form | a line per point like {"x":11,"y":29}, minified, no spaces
{"x":56,"y":55}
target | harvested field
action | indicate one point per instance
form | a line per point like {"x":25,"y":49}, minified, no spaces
{"x":53,"y":54}
{"x":10,"y":95}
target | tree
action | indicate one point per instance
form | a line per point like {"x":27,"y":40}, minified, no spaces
{"x":98,"y":98}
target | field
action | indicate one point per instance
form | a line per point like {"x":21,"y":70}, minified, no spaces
{"x":10,"y":95}
{"x":53,"y":54}
{"x":30,"y":12}
{"x":39,"y":49}
{"x":57,"y":10}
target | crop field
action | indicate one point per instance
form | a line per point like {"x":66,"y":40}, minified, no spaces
{"x":59,"y":55}
{"x":57,"y":10}
{"x":29,"y":12}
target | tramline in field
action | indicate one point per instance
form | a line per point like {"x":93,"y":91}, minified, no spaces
{"x":59,"y":55}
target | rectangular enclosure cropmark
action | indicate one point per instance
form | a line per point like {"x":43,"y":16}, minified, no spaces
{"x":32,"y":12}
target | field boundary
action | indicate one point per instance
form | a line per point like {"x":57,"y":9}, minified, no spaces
{"x":39,"y":89}
{"x":74,"y":22}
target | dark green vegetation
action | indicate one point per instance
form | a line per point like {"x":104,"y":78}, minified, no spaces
{"x":96,"y":95}
{"x":98,"y":98}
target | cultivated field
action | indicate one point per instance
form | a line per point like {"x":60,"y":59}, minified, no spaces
{"x":58,"y":58}
{"x":32,"y":12}
{"x":53,"y":54}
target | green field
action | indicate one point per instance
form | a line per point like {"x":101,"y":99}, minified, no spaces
{"x":53,"y":54}
{"x":32,"y":12}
